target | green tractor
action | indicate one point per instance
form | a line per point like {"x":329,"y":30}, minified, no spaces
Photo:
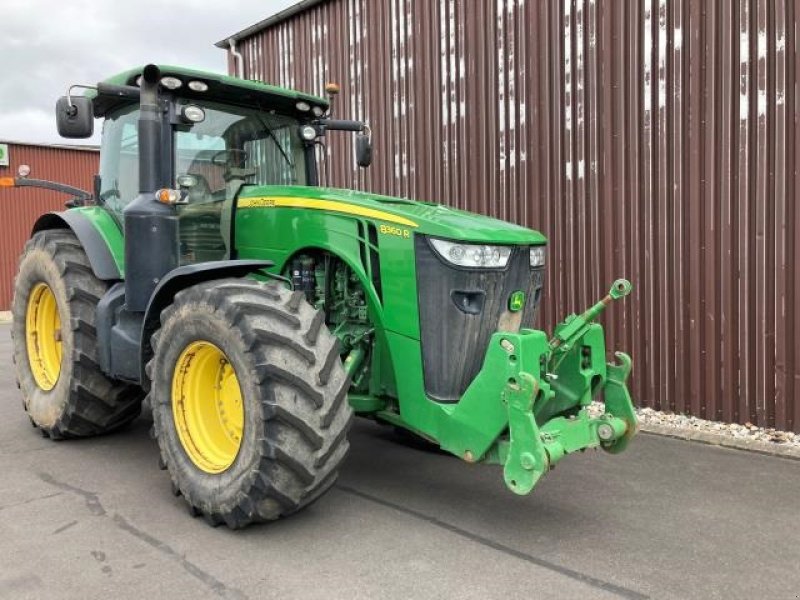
{"x":209,"y":275}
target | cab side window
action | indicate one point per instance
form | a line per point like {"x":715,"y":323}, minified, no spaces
{"x":119,"y":160}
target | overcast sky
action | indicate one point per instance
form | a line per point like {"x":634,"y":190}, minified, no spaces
{"x":46,"y":45}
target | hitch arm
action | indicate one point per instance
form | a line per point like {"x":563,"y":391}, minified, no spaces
{"x":527,"y":459}
{"x":618,"y":401}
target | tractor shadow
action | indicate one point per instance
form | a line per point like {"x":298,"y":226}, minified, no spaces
{"x":411,"y":473}
{"x":400,"y":473}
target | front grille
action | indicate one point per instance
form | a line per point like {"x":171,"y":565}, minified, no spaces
{"x":454,"y":339}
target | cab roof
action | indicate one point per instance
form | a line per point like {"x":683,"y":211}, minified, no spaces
{"x":221,"y":88}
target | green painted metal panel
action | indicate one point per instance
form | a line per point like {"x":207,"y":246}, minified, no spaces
{"x":109,"y":230}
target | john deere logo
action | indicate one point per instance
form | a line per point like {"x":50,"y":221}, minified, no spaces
{"x":516,"y":301}
{"x":4,"y":155}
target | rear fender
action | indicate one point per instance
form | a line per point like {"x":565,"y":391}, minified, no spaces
{"x":97,"y":232}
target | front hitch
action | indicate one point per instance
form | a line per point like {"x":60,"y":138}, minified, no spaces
{"x":547,"y":396}
{"x":528,"y":407}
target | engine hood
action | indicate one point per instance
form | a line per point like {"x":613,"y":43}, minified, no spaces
{"x":421,"y":217}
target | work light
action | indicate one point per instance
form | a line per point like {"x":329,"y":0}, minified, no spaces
{"x":171,"y":83}
{"x":198,"y":86}
{"x":193,"y":114}
{"x":308,"y":133}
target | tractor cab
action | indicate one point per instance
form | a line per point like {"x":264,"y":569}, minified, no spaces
{"x":211,"y":158}
{"x":218,"y":134}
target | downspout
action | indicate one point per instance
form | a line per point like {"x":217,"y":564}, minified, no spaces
{"x":237,"y":58}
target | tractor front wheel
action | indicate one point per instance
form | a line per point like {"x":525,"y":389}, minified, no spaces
{"x":249,"y":401}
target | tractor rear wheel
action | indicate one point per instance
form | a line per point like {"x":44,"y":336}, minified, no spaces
{"x":55,"y":342}
{"x":249,"y":401}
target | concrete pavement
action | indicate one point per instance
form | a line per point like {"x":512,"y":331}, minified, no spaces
{"x":668,"y":519}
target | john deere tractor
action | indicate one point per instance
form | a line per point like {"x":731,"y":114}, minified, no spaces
{"x":209,"y":275}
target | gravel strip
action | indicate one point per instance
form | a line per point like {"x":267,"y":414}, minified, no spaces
{"x":764,"y":440}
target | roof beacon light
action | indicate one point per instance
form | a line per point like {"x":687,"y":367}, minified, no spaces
{"x":7,"y":182}
{"x":332,"y":89}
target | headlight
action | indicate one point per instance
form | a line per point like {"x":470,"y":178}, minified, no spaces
{"x":538,"y":254}
{"x":472,"y":255}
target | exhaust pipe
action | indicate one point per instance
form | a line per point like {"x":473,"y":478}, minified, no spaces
{"x":149,"y":130}
{"x":151,"y":227}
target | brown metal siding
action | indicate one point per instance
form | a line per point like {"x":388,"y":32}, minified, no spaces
{"x":21,"y":206}
{"x":656,"y":140}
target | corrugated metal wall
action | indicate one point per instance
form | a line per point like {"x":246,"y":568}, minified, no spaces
{"x":653,"y":139}
{"x":19,"y":207}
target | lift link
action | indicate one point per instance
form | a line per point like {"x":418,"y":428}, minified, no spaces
{"x":575,"y":325}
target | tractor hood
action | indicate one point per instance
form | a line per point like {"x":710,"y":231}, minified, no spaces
{"x":421,"y":217}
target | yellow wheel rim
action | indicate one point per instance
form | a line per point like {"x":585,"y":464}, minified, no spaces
{"x":207,"y":407}
{"x":43,"y":336}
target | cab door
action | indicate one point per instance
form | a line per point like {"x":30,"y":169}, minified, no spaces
{"x":199,"y":167}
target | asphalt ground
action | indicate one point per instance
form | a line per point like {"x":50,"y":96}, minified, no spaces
{"x":668,"y":519}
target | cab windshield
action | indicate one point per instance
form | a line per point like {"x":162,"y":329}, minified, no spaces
{"x":240,"y":146}
{"x":229,"y":148}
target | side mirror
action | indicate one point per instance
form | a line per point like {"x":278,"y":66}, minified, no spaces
{"x":364,"y":150}
{"x":75,"y":119}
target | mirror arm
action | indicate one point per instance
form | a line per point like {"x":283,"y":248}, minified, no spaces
{"x":73,"y":110}
{"x":342,"y":125}
{"x":120,"y":91}
{"x":79,"y":194}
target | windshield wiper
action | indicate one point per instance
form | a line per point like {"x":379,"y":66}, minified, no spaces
{"x":274,"y":138}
